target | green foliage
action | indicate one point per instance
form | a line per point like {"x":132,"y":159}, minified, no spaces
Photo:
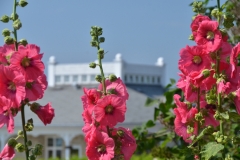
{"x":211,"y":149}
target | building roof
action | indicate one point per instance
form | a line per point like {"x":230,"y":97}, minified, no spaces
{"x":68,"y":105}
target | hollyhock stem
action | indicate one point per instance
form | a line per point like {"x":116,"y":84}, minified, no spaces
{"x":198,"y":108}
{"x":14,"y":30}
{"x":101,"y":69}
{"x":24,"y":131}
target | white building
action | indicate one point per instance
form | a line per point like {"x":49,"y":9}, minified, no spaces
{"x":64,"y":137}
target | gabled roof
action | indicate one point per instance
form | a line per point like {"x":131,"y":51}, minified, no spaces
{"x":68,"y":106}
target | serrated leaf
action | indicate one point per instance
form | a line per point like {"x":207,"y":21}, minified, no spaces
{"x":150,"y":123}
{"x":150,"y":102}
{"x":211,"y":149}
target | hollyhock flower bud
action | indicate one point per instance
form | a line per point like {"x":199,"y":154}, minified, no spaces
{"x":45,"y":113}
{"x":22,"y":3}
{"x":98,"y":78}
{"x":20,"y":147}
{"x":7,"y":153}
{"x":23,"y":42}
{"x":17,"y":24}
{"x":6,"y":32}
{"x":20,"y":133}
{"x":14,"y":18}
{"x":112,"y":77}
{"x":101,"y":39}
{"x":92,"y":65}
{"x":94,"y":43}
{"x":38,"y":149}
{"x":101,"y":51}
{"x":12,"y":142}
{"x":4,"y":19}
{"x":8,"y":40}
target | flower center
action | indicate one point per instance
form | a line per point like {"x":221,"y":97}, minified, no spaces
{"x":210,"y":35}
{"x":11,"y":86}
{"x":29,"y":85}
{"x":197,"y":59}
{"x":101,"y":148}
{"x":25,"y":62}
{"x":109,"y":109}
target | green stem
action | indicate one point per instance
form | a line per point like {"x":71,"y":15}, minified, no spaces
{"x":14,"y":30}
{"x":198,"y":108}
{"x":101,"y":70}
{"x":218,"y":4}
{"x":24,"y":131}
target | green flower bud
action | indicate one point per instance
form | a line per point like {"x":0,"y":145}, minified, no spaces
{"x":17,"y":24}
{"x":29,"y":143}
{"x":101,"y":51}
{"x":195,"y":4}
{"x":29,"y":125}
{"x":20,"y":133}
{"x":120,"y":133}
{"x":37,"y":150}
{"x":206,"y":73}
{"x":23,"y":42}
{"x":112,"y":77}
{"x":12,"y":142}
{"x":99,"y":31}
{"x":191,"y":37}
{"x":22,"y":3}
{"x":8,"y":40}
{"x":190,"y":129}
{"x":200,"y":4}
{"x":6,"y":32}
{"x":94,"y":43}
{"x":111,"y":91}
{"x":32,"y":157}
{"x":92,"y":65}
{"x":98,"y":78}
{"x":101,"y":39}
{"x":214,"y":12}
{"x":20,"y":147}
{"x":94,"y":38}
{"x":4,"y":19}
{"x":12,"y":16}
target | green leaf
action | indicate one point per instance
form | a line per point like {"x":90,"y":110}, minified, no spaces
{"x":205,"y":130}
{"x":173,"y":81}
{"x":211,"y":149}
{"x":234,"y":116}
{"x":150,"y":102}
{"x":156,"y":113}
{"x":150,"y":123}
{"x":162,"y":108}
{"x":169,"y":97}
{"x":225,"y":115}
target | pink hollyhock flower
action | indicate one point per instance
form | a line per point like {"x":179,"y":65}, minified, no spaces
{"x":7,"y":153}
{"x":193,"y":59}
{"x":110,"y":110}
{"x":6,"y":52}
{"x":128,"y":142}
{"x":209,"y":36}
{"x":224,"y":87}
{"x":7,"y":118}
{"x":28,"y":61}
{"x":208,"y":113}
{"x":184,"y":117}
{"x":12,"y":84}
{"x":117,"y":87}
{"x":5,"y":104}
{"x":196,"y":22}
{"x":90,"y":99}
{"x":35,"y":88}
{"x":100,"y":147}
{"x":237,"y":100}
{"x":235,"y":59}
{"x":45,"y":113}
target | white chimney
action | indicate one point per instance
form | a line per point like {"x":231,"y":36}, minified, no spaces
{"x":51,"y":71}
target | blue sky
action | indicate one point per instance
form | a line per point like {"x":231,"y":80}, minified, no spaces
{"x":140,"y":30}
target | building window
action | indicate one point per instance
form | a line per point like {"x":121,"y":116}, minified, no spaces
{"x":75,"y":78}
{"x":153,"y":79}
{"x":131,"y":78}
{"x":142,"y":79}
{"x":84,"y":78}
{"x":57,"y":79}
{"x":92,"y":78}
{"x":66,"y":78}
{"x":148,"y":79}
{"x":125,"y":78}
{"x":54,"y":147}
{"x":136,"y":78}
{"x":158,"y":80}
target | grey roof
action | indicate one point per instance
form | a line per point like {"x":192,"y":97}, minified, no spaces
{"x":68,"y":106}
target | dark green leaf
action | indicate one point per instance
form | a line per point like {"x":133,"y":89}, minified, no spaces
{"x":234,"y":116}
{"x":150,"y":123}
{"x":156,"y":113}
{"x":173,"y":81}
{"x":225,"y":115}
